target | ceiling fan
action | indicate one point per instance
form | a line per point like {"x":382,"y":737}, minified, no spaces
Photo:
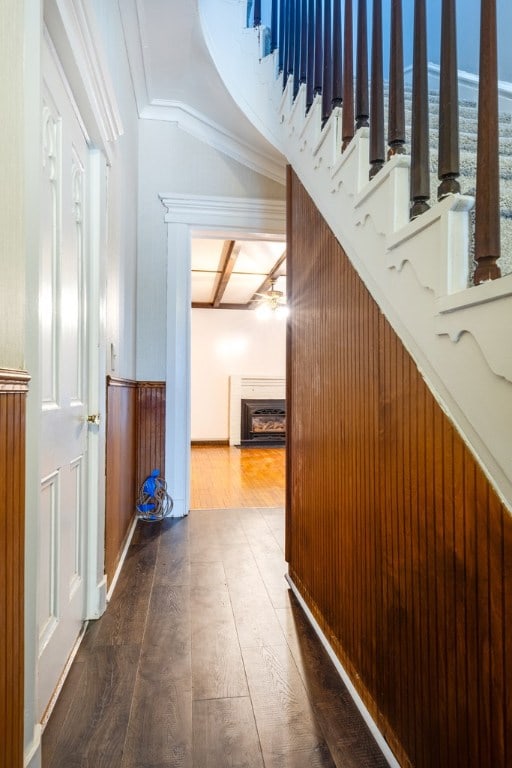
{"x":271,"y":301}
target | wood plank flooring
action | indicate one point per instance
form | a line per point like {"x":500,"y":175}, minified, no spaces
{"x":205,"y":660}
{"x":224,"y":477}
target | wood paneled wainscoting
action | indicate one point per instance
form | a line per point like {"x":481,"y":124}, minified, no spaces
{"x":13,"y":389}
{"x":135,"y":446}
{"x":395,"y":539}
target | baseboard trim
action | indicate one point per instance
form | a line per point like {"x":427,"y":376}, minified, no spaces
{"x":370,"y":722}
{"x":32,"y":758}
{"x":120,"y":564}
{"x":62,"y":679}
{"x":209,"y":442}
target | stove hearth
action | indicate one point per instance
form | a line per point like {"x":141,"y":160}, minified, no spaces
{"x":263,"y":423}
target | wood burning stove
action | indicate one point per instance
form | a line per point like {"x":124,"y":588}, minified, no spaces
{"x":263,"y":423}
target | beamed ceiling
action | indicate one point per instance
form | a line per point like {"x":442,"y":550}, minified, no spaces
{"x":228,"y":274}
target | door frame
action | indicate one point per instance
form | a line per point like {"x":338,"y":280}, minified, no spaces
{"x":187,"y":216}
{"x":74,"y":41}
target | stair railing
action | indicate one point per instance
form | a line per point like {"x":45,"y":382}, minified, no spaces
{"x":316,"y":47}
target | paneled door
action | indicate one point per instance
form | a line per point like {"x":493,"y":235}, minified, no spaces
{"x":63,"y":379}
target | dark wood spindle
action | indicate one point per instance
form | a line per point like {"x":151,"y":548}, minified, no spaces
{"x":396,"y":112}
{"x":304,"y":41}
{"x":310,"y":85}
{"x":487,"y":204}
{"x":257,"y":13}
{"x":420,"y":173}
{"x":282,"y":28}
{"x":347,"y":127}
{"x":319,"y":49}
{"x":448,"y":167}
{"x":296,"y":60}
{"x":327,"y":78}
{"x":362,"y":112}
{"x":377,"y":148}
{"x":291,"y":37}
{"x":273,"y":25}
{"x":337,"y":56}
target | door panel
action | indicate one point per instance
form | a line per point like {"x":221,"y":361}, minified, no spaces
{"x":63,"y":380}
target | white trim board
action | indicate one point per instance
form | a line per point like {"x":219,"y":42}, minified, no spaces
{"x":340,"y":669}
{"x":187,"y":215}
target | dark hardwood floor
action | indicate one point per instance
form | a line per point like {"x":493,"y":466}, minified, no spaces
{"x":204,"y":659}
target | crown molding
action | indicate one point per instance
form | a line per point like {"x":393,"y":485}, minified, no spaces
{"x":201,"y":127}
{"x":187,"y":118}
{"x":72,"y":28}
{"x":226,"y":213}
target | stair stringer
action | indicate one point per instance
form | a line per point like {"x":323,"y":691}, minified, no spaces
{"x":416,"y":271}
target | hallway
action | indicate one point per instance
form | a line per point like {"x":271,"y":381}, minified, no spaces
{"x":205,"y":659}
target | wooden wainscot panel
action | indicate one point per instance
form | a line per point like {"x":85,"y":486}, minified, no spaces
{"x":13,"y":389}
{"x":135,"y":446}
{"x":151,"y":428}
{"x":121,"y":462}
{"x":395,"y":538}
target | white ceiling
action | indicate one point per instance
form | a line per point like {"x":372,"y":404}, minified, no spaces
{"x":254,"y":261}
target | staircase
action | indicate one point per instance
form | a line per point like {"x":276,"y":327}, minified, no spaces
{"x":418,"y":271}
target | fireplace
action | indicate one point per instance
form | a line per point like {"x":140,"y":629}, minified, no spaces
{"x":263,"y":423}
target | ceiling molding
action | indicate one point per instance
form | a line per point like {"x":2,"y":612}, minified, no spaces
{"x":226,"y":214}
{"x":201,"y":127}
{"x":183,"y":115}
{"x":72,"y":28}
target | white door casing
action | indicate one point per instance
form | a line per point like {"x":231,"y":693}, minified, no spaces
{"x":63,"y":377}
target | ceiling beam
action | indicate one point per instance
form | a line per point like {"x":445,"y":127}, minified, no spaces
{"x":272,"y":275}
{"x":228,"y":258}
{"x":209,"y":305}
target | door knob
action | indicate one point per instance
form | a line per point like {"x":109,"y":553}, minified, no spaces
{"x":94,"y":418}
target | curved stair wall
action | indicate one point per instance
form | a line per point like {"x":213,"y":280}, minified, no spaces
{"x":417,"y":272}
{"x":395,"y":539}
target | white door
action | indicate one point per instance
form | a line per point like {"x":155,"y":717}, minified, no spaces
{"x":63,"y":376}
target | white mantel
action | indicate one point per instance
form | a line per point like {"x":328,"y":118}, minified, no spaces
{"x":246,"y":388}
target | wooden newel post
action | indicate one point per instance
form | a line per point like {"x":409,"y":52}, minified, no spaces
{"x":337,"y":56}
{"x":297,"y":44}
{"x":319,"y":56}
{"x":282,"y":34}
{"x":396,"y":115}
{"x":347,"y":126}
{"x":377,"y":150}
{"x":273,"y":26}
{"x":327,"y":79}
{"x":448,"y":170}
{"x":310,"y":76}
{"x":362,"y":112}
{"x":420,"y":171}
{"x":487,"y":204}
{"x":257,"y":13}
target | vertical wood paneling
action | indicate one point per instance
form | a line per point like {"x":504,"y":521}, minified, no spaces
{"x":394,"y":536}
{"x":13,"y":387}
{"x":121,"y":468}
{"x":135,"y":446}
{"x":150,"y":428}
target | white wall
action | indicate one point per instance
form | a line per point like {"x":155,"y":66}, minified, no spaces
{"x":172,"y":161}
{"x":224,"y":343}
{"x":12,"y":257}
{"x":121,"y":315}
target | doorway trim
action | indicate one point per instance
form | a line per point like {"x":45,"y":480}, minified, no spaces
{"x":186,"y":216}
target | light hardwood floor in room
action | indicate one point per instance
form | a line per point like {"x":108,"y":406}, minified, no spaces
{"x":223,"y":477}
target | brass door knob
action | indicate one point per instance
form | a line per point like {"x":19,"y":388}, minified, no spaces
{"x":94,"y":418}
